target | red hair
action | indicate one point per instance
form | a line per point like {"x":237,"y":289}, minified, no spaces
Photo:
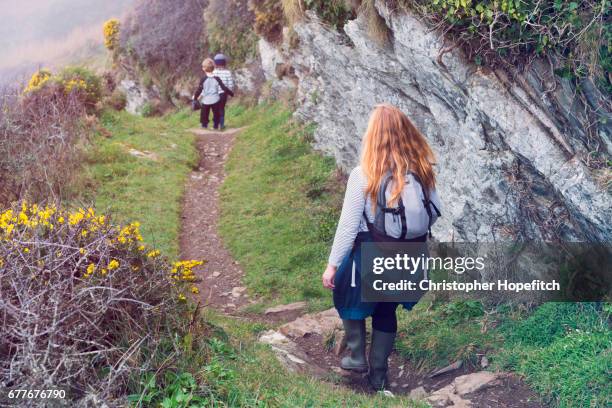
{"x":393,"y":144}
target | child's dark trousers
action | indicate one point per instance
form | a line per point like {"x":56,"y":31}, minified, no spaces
{"x":205,"y":115}
{"x":222,"y":103}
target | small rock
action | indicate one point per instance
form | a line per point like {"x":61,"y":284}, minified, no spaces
{"x":405,"y":385}
{"x":484,"y":362}
{"x":286,"y":308}
{"x":439,"y":400}
{"x":388,"y":393}
{"x":237,"y":291}
{"x":341,"y":372}
{"x":216,"y":274}
{"x":321,"y":323}
{"x":144,"y":154}
{"x":418,"y":393}
{"x":393,"y":385}
{"x":469,"y":383}
{"x":196,"y":177}
{"x":230,"y":305}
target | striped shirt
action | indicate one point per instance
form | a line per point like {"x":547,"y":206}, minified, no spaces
{"x":226,"y":77}
{"x":352,"y":221}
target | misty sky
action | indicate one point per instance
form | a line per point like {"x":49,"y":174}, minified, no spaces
{"x":41,"y":31}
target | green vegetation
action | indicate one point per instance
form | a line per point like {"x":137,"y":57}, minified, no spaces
{"x":499,"y":32}
{"x":147,"y":189}
{"x":561,"y":349}
{"x":223,"y":365}
{"x":280,"y":204}
{"x":246,"y":373}
{"x":436,"y":335}
{"x":235,"y":17}
{"x":564,"y":351}
{"x":515,"y":30}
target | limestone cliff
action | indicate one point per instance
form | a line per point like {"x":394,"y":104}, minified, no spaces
{"x":512,"y":152}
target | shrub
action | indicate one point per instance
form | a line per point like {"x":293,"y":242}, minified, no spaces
{"x":83,"y":83}
{"x":162,"y":38}
{"x":39,"y":143}
{"x":85,"y":305}
{"x":269,"y":19}
{"x":512,"y":32}
{"x":230,"y":30}
{"x":117,"y":100}
{"x":111,"y":34}
{"x":38,"y":80}
{"x":335,"y":13}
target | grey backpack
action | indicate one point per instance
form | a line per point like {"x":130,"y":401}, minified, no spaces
{"x":411,"y":220}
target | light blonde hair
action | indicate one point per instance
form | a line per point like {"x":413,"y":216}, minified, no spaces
{"x":208,"y":65}
{"x":393,"y":144}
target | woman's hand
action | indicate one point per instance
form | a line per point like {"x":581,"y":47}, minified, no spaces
{"x":328,"y":276}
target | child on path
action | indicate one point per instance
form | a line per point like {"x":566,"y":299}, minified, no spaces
{"x":226,"y":77}
{"x":208,"y":94}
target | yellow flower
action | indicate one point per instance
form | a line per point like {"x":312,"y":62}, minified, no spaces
{"x":153,"y":254}
{"x":60,"y":220}
{"x":141,"y":248}
{"x":113,"y":264}
{"x":81,"y":251}
{"x":26,"y":250}
{"x":195,"y":290}
{"x":182,"y":297}
{"x":103,"y":271}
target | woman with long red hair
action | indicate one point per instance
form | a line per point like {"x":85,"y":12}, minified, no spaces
{"x":395,"y":182}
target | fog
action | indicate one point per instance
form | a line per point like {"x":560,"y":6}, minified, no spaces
{"x":37,"y":33}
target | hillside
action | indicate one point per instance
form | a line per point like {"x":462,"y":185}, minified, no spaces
{"x":175,"y":266}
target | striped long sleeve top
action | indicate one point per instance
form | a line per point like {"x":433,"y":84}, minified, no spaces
{"x":356,"y":204}
{"x":225,"y":75}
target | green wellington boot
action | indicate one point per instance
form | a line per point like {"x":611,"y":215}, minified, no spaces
{"x":355,"y":334}
{"x":380,"y":349}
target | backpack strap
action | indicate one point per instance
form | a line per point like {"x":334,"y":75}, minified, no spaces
{"x":426,"y":203}
{"x":222,"y":85}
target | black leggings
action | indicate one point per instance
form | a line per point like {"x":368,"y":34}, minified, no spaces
{"x":384,"y":318}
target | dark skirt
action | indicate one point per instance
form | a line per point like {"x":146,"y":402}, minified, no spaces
{"x":347,"y":298}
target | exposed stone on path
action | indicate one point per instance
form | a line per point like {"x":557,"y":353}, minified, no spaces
{"x":454,"y":393}
{"x":289,"y":354}
{"x":474,"y":382}
{"x":322,"y":323}
{"x":417,"y":393}
{"x":286,"y":308}
{"x":237,"y":291}
{"x":216,"y":274}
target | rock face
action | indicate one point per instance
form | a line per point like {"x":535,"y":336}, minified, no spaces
{"x":137,"y":96}
{"x":511,"y":157}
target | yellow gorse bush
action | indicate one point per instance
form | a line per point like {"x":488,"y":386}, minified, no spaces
{"x":85,"y":240}
{"x":38,"y":79}
{"x":111,"y":34}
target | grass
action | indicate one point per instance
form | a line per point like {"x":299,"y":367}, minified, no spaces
{"x":248,"y":374}
{"x":143,"y":189}
{"x":436,"y":335}
{"x":232,"y":369}
{"x":564,"y":350}
{"x":280,"y":203}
